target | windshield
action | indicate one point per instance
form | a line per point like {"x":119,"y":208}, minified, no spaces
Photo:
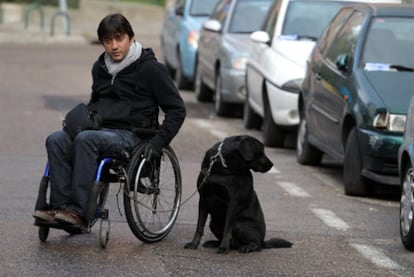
{"x":308,"y":19}
{"x":248,"y":15}
{"x":389,"y":44}
{"x":202,"y":7}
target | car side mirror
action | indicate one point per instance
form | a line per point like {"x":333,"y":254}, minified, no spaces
{"x":343,"y":63}
{"x":260,"y":37}
{"x":212,"y":25}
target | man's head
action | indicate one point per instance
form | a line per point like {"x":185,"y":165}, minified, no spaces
{"x":116,"y":35}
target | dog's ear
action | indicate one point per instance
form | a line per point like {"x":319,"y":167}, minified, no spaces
{"x":247,"y":148}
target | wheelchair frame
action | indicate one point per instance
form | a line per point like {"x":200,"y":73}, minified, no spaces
{"x":151,"y":196}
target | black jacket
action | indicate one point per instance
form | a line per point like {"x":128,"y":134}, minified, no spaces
{"x":131,"y":98}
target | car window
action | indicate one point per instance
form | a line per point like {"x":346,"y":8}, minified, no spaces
{"x":271,"y":18}
{"x":332,"y":29}
{"x":221,"y":11}
{"x":389,"y":40}
{"x":346,"y":40}
{"x":307,"y":19}
{"x":202,"y":7}
{"x":248,"y":15}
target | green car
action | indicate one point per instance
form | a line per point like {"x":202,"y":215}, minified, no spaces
{"x":355,"y":95}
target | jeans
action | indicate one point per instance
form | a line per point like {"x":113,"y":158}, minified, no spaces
{"x":73,"y":164}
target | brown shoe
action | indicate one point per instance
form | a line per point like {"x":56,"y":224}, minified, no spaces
{"x":69,"y":217}
{"x":48,"y":215}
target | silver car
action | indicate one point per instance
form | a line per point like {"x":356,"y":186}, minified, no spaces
{"x":223,"y":48}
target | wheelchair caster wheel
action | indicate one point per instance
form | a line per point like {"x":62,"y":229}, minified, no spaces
{"x":104,"y":229}
{"x":43,"y":233}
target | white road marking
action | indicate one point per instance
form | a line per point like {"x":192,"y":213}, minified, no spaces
{"x":330,"y":219}
{"x":293,"y":189}
{"x":376,"y":256}
{"x":274,"y":170}
{"x":211,"y":128}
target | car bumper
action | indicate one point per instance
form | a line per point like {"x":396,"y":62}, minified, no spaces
{"x":380,"y":156}
{"x":233,"y":86}
{"x":284,"y":106}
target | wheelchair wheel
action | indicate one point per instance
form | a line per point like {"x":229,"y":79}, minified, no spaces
{"x":104,"y":230}
{"x":153,"y":195}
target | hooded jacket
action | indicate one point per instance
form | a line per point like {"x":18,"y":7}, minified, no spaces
{"x":132,"y":98}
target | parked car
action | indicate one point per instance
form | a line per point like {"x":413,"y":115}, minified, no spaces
{"x":179,"y":37}
{"x":276,"y":64}
{"x":406,"y":170}
{"x":355,"y":94}
{"x":223,"y":48}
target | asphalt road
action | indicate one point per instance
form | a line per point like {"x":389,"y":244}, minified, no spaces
{"x":333,"y":235}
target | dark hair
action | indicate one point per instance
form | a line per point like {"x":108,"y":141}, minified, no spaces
{"x":112,"y":24}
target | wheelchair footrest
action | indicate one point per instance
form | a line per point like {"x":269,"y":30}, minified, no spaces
{"x":73,"y":229}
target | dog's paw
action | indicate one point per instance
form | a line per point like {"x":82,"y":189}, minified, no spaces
{"x":222,"y":250}
{"x":191,"y":245}
{"x":248,"y":248}
{"x":211,"y":244}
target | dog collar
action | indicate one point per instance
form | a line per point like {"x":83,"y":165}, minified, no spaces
{"x":223,"y":161}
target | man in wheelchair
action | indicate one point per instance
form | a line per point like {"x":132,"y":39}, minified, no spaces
{"x":129,"y":86}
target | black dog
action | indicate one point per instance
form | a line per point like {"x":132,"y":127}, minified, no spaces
{"x":225,"y":185}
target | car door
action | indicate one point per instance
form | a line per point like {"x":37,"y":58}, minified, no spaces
{"x":335,"y":85}
{"x":170,"y":30}
{"x":314,"y":101}
{"x":259,"y":60}
{"x":209,"y":41}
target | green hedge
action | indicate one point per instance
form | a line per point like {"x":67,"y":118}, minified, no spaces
{"x":73,"y":4}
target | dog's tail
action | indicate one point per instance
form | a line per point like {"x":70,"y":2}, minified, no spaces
{"x":277,"y":243}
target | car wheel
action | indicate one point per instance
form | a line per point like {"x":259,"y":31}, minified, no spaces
{"x":222,"y":108}
{"x":180,"y":80}
{"x":407,"y":209}
{"x":273,"y":135}
{"x":202,"y":92}
{"x":306,"y":153}
{"x":354,"y":183}
{"x":251,"y":120}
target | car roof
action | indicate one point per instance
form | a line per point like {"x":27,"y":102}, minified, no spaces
{"x":380,"y":9}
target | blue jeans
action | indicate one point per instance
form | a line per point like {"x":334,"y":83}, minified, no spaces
{"x":73,"y":164}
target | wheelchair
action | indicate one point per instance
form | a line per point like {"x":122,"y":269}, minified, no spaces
{"x":151,"y":195}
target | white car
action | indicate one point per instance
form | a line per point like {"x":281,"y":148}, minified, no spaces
{"x":276,"y":64}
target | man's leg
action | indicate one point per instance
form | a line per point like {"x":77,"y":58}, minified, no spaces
{"x":88,"y":147}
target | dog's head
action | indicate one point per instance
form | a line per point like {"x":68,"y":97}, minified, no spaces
{"x":245,"y":152}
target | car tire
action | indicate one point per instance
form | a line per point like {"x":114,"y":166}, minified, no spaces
{"x":273,"y":135}
{"x":201,"y":91}
{"x":222,"y":108}
{"x":251,"y":120}
{"x":306,"y":153}
{"x":407,"y":209}
{"x":354,"y":183}
{"x":180,"y":80}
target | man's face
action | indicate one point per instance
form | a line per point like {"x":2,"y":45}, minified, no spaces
{"x":117,"y":46}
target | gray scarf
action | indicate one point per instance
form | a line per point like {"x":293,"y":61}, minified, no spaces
{"x":133,"y":54}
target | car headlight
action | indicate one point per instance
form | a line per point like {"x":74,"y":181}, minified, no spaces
{"x":192,"y":38}
{"x":239,"y":63}
{"x":292,"y":86}
{"x":390,"y":122}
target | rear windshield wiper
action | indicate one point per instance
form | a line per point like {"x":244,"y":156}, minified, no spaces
{"x":401,"y":67}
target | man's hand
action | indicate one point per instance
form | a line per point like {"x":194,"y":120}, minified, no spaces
{"x":152,"y":151}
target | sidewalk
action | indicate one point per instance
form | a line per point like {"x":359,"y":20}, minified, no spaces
{"x":146,"y":21}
